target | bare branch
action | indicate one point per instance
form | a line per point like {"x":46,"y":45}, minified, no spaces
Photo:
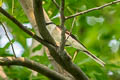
{"x":32,"y":34}
{"x":8,"y":61}
{"x":8,"y":39}
{"x":56,"y":4}
{"x":70,"y":29}
{"x":75,"y":54}
{"x":65,"y":63}
{"x":3,"y":74}
{"x":62,"y":20}
{"x":40,"y":21}
{"x":93,"y":9}
{"x":28,"y":9}
{"x":56,"y":66}
{"x":13,"y":6}
{"x":63,"y":60}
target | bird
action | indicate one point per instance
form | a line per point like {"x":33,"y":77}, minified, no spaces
{"x":72,"y":41}
{"x":55,"y":32}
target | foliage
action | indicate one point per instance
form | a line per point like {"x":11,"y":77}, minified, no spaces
{"x":98,"y":30}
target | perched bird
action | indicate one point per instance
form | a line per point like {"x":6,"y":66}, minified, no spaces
{"x":72,"y":41}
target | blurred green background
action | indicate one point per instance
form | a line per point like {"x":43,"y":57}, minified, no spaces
{"x":98,"y":30}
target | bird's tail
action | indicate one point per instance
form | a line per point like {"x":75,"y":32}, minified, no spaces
{"x":94,"y":58}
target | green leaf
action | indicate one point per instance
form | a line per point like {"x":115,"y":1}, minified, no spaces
{"x":37,"y":48}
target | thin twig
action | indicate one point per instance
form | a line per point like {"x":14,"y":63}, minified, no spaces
{"x":75,"y":54}
{"x":40,"y":21}
{"x":72,"y":24}
{"x":56,"y":4}
{"x":66,"y":64}
{"x":32,"y":34}
{"x":62,"y":20}
{"x":21,"y":61}
{"x":3,"y":75}
{"x":13,"y":4}
{"x":71,"y":29}
{"x":8,"y":39}
{"x":92,"y":9}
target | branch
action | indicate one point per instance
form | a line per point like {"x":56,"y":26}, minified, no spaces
{"x":28,"y":9}
{"x":8,"y":61}
{"x":71,"y":29}
{"x":56,"y":4}
{"x":65,"y":63}
{"x":75,"y":54}
{"x":23,"y":27}
{"x":93,"y":9}
{"x":3,"y":74}
{"x":56,"y":66}
{"x":63,"y":60}
{"x":62,"y":20}
{"x":8,"y":39}
{"x":40,"y":21}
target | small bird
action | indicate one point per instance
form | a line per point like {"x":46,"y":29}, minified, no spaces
{"x":72,"y":41}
